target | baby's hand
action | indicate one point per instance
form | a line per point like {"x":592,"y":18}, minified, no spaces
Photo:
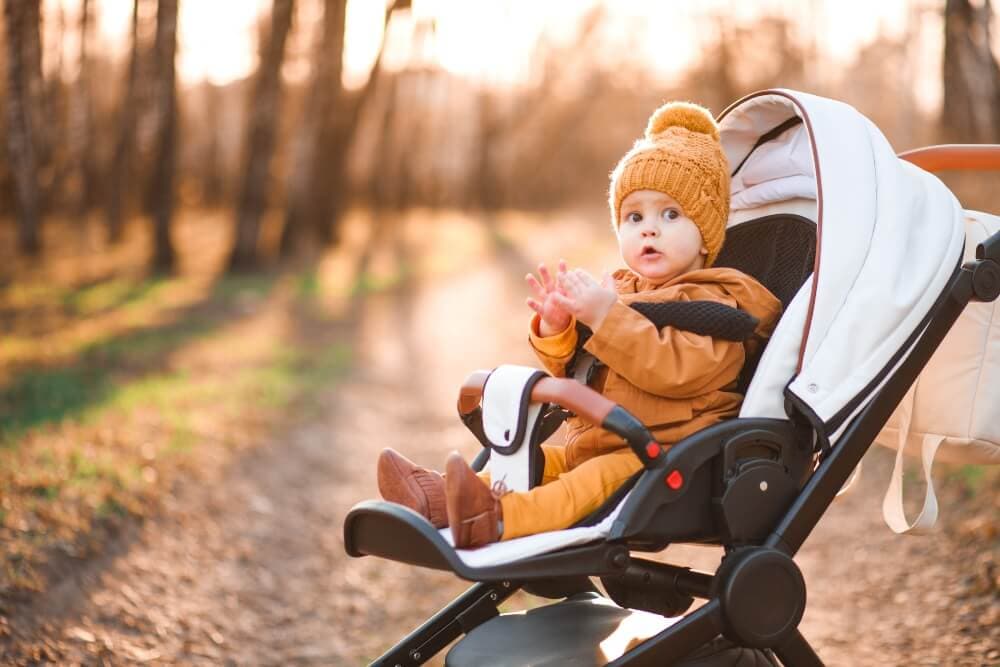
{"x":552,"y":314}
{"x":584,"y":297}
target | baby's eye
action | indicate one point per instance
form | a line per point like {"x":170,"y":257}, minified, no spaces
{"x":634,"y":216}
{"x":670,"y":214}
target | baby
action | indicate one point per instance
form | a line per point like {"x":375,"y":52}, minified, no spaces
{"x":669,"y":199}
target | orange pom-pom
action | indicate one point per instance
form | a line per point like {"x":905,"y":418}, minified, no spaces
{"x":682,"y":114}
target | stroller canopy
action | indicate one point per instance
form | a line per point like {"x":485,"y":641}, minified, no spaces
{"x":889,"y":236}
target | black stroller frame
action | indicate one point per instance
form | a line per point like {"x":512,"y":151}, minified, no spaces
{"x":708,"y":488}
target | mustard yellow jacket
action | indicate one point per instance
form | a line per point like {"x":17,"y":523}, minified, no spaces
{"x":676,"y":382}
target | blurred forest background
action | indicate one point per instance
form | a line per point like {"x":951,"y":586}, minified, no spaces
{"x":196,"y":195}
{"x":105,"y":141}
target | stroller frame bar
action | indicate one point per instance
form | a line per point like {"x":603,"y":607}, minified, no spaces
{"x":478,"y":604}
{"x":834,"y":471}
{"x":687,"y":635}
{"x":836,"y":468}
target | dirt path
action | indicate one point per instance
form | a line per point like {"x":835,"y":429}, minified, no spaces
{"x":250,"y":568}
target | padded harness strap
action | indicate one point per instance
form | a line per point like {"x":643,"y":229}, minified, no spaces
{"x":705,"y":318}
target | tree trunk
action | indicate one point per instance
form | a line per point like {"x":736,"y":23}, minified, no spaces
{"x":162,"y":182}
{"x":383,"y":180}
{"x":491,"y":130}
{"x":41,"y":107}
{"x":307,"y":172}
{"x":212,"y":176}
{"x":21,"y":22}
{"x":81,"y":122}
{"x":336,"y":144}
{"x":971,"y":111}
{"x":264,"y":103}
{"x":120,"y":173}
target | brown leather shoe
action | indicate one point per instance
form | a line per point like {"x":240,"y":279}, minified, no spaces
{"x":422,"y":490}
{"x":474,"y":511}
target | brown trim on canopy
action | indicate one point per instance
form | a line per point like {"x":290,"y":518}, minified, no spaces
{"x":800,"y":110}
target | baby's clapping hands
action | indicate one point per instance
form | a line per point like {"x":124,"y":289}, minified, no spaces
{"x":553,"y":315}
{"x":570,"y":294}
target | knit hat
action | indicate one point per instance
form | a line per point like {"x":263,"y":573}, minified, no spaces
{"x":680,"y":155}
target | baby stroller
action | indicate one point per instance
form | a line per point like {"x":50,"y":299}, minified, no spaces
{"x":864,"y":250}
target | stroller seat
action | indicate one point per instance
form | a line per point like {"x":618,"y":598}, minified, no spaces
{"x":756,"y":484}
{"x":760,"y":247}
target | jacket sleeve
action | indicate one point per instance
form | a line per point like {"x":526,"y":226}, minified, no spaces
{"x":554,"y":351}
{"x":668,"y":362}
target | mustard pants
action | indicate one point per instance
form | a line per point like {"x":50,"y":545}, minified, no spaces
{"x":565,"y":496}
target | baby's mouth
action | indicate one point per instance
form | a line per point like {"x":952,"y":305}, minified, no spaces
{"x":649,"y":251}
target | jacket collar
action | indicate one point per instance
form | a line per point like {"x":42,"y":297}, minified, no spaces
{"x":629,"y":282}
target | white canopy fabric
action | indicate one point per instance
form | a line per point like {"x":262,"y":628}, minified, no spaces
{"x":889,"y":237}
{"x":777,"y":171}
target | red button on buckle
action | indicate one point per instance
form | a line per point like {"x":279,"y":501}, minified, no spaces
{"x":675,"y":480}
{"x":653,"y":450}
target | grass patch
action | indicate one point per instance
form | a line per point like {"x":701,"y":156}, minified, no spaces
{"x":292,"y":373}
{"x":972,"y":480}
{"x":182,"y":440}
{"x":370,"y":283}
{"x":48,"y":395}
{"x":307,"y":286}
{"x":98,"y":438}
{"x":42,"y":395}
{"x":110,"y":508}
{"x":232,"y":289}
{"x":93,"y":299}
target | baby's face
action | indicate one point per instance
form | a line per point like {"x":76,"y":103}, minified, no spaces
{"x":657,"y":240}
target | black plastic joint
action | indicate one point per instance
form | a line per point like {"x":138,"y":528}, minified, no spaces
{"x":619,"y":559}
{"x":986,"y":280}
{"x":621,"y":422}
{"x":989,"y":249}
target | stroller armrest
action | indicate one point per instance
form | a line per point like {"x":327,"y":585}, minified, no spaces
{"x":582,"y":401}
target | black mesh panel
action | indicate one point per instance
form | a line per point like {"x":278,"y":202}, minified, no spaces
{"x":779,"y":251}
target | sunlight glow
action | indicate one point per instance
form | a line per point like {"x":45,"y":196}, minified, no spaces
{"x":631,"y":631}
{"x":496,"y":41}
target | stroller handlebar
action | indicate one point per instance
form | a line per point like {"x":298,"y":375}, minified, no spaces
{"x":973,"y":157}
{"x":579,"y":399}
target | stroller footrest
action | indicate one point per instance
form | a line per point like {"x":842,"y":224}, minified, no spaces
{"x":388,"y":530}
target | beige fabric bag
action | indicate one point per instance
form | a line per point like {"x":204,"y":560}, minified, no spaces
{"x":952,"y":411}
